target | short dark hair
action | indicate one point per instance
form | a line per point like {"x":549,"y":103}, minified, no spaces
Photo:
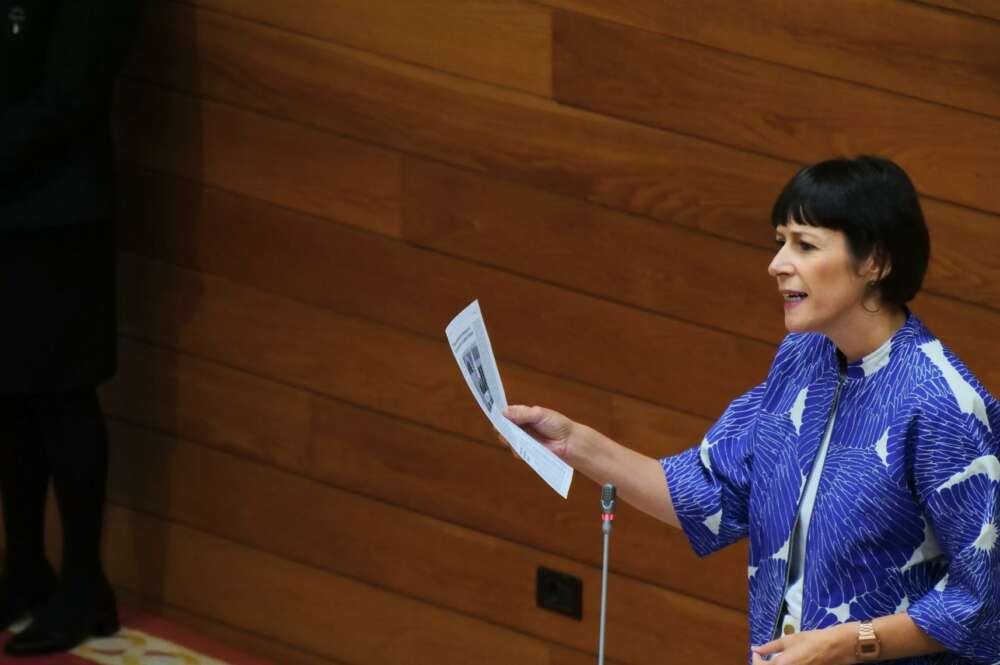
{"x":873,"y":201}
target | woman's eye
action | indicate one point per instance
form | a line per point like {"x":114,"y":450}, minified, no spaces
{"x":806,"y":247}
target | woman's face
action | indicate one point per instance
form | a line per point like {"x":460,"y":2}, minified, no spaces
{"x":819,"y":280}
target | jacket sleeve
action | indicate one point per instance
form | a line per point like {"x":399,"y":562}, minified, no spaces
{"x":956,"y":476}
{"x":88,"y":46}
{"x":710,"y":484}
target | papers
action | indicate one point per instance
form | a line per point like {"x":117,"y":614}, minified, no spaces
{"x":471,"y":346}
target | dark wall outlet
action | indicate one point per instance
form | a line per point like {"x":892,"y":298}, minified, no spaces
{"x":560,"y":593}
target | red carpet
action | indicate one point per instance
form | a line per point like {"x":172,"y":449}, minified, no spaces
{"x":145,"y":639}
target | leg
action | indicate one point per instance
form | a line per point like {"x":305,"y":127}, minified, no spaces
{"x":75,"y":439}
{"x":27,"y":579}
{"x":76,"y":446}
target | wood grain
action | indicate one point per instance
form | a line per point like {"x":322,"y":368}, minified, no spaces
{"x":772,"y":109}
{"x":411,"y":109}
{"x":963,"y":265}
{"x":985,"y":8}
{"x":370,"y":452}
{"x":561,"y":240}
{"x":366,"y":275}
{"x":503,"y":42}
{"x":459,"y":569}
{"x":667,"y":269}
{"x":316,"y":172}
{"x":907,"y":48}
{"x":297,"y":604}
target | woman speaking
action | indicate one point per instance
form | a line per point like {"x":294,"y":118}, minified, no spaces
{"x":864,"y":468}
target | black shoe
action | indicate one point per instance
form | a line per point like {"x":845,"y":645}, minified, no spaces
{"x":69,"y":618}
{"x":23,"y":592}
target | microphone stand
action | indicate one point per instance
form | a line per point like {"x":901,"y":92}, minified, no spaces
{"x":607,"y":517}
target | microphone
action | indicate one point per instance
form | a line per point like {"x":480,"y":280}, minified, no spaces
{"x":607,"y":507}
{"x":607,"y":517}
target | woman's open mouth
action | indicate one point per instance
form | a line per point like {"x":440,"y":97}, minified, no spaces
{"x":793,"y":298}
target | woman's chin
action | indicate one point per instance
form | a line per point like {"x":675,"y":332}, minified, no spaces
{"x":795,"y":324}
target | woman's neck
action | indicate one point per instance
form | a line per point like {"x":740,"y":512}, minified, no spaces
{"x":867,"y":331}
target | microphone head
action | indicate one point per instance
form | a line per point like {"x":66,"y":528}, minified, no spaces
{"x":608,"y":498}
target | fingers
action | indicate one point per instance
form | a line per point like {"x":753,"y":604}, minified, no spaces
{"x":524,"y":415}
{"x":771,"y":647}
{"x":769,"y":650}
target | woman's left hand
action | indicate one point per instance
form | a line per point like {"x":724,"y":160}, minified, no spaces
{"x":828,"y":646}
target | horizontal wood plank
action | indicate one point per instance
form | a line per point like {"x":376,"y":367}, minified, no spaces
{"x":255,"y":244}
{"x":788,"y":113}
{"x":378,"y":455}
{"x":963,"y":264}
{"x":904,"y":47}
{"x":317,"y":172}
{"x":297,"y":604}
{"x":985,"y":8}
{"x":374,"y":277}
{"x":657,"y":266}
{"x":463,"y":570}
{"x":512,"y":135}
{"x":674,"y":271}
{"x":504,"y":42}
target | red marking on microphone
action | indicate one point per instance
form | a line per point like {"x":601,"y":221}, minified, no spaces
{"x":607,"y":517}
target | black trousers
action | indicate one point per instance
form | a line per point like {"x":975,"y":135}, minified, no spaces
{"x":62,"y":437}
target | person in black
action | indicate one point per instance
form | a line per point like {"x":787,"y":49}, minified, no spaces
{"x":58,"y":63}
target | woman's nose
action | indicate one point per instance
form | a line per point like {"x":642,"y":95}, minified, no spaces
{"x":779,"y":264}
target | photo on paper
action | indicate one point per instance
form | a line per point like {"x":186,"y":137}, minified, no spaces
{"x":474,"y":369}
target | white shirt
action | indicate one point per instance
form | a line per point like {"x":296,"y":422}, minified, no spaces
{"x":793,"y":595}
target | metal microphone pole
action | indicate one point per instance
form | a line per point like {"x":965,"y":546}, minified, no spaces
{"x":607,"y":517}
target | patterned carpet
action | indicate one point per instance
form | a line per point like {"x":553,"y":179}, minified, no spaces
{"x":143,"y":640}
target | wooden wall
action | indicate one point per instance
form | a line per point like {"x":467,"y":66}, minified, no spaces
{"x":312,"y":189}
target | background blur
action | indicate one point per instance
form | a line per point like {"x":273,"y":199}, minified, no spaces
{"x":312,"y":189}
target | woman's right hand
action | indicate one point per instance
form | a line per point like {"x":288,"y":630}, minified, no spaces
{"x":639,"y":478}
{"x":550,"y":428}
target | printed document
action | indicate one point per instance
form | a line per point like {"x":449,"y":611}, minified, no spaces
{"x":471,"y":346}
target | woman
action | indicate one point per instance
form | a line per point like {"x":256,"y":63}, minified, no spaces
{"x":58,"y":63}
{"x":863,"y":469}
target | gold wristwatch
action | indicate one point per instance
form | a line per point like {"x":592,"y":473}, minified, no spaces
{"x":868,"y":646}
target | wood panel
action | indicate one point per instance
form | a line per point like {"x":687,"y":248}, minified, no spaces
{"x":963,"y":265}
{"x":316,"y":172}
{"x":654,"y":266}
{"x":326,"y":614}
{"x":907,"y":48}
{"x":399,"y":462}
{"x":516,"y":136}
{"x":665,"y":269}
{"x":985,"y":8}
{"x":504,"y":42}
{"x":255,"y":244}
{"x":754,"y":105}
{"x":561,"y":240}
{"x":459,"y":569}
{"x":319,"y":350}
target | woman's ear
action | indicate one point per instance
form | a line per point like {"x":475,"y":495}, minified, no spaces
{"x":877,"y":266}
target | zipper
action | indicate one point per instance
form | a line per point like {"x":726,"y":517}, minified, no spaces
{"x":798,"y":509}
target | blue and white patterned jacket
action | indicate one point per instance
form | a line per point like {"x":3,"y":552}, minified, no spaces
{"x":908,"y":504}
